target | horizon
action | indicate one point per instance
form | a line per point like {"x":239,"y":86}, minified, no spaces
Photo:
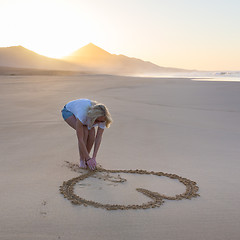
{"x":184,"y":35}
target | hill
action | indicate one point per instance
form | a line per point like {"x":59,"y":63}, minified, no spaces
{"x":20,"y":57}
{"x":94,"y":57}
{"x":88,"y":59}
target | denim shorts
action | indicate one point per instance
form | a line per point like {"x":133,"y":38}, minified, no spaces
{"x":65,"y":113}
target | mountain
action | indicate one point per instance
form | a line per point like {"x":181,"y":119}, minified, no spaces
{"x":88,"y":59}
{"x":89,"y":55}
{"x":20,"y":57}
{"x":95,"y":58}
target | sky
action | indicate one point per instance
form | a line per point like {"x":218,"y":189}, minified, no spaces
{"x":189,"y":34}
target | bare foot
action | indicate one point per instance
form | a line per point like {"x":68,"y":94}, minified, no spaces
{"x":82,"y":164}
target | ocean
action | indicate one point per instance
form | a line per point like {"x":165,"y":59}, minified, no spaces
{"x":232,"y":76}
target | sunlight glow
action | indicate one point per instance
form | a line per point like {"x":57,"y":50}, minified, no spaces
{"x":185,"y":34}
{"x":49,"y":27}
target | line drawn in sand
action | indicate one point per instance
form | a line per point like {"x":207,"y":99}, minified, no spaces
{"x":157,"y":199}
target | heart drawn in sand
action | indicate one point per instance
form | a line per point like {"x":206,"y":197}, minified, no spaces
{"x":157,"y":199}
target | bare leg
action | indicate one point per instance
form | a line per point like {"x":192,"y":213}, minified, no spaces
{"x":71,"y":121}
{"x":91,"y":139}
{"x":82,"y":158}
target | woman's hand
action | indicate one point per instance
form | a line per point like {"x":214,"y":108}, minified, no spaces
{"x":91,"y":163}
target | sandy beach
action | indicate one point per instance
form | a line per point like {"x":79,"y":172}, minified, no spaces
{"x":176,"y":126}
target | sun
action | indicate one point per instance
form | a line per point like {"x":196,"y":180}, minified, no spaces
{"x":50,"y":28}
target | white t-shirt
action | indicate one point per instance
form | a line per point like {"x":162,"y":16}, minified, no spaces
{"x":79,"y":108}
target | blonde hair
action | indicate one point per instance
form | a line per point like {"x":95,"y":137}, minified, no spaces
{"x":99,"y":110}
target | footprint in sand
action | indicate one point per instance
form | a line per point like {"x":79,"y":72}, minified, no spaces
{"x":43,"y":204}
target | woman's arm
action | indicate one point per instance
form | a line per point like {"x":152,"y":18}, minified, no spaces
{"x":81,"y":144}
{"x":97,"y":141}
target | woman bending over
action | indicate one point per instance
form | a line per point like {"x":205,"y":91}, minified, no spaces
{"x":84,"y":115}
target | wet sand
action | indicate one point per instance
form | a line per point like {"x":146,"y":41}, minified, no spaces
{"x":175,"y":126}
